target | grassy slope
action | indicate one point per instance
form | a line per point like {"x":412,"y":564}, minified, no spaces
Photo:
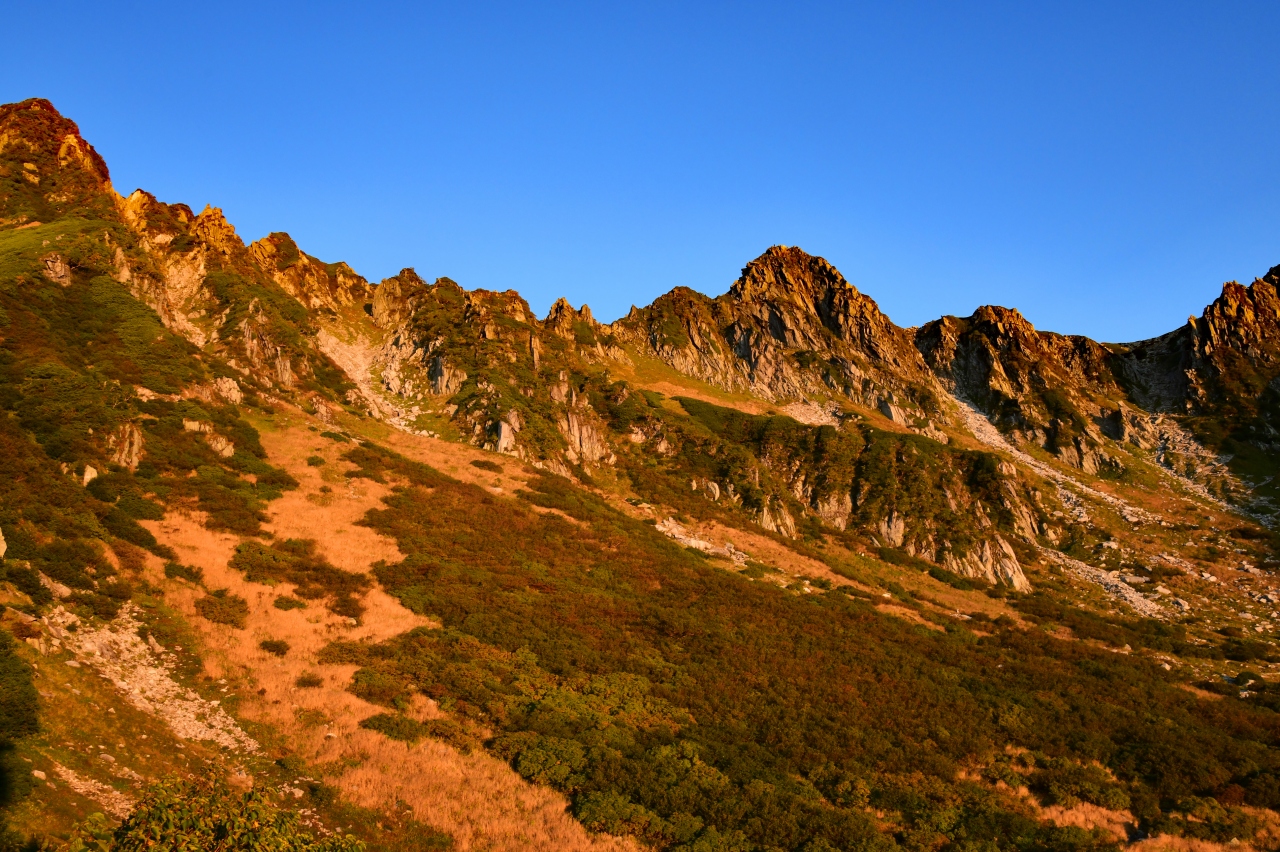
{"x":69,"y":359}
{"x":678,"y":701}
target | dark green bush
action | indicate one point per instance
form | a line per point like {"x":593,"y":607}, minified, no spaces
{"x":197,"y":815}
{"x":395,"y":726}
{"x":178,"y":571}
{"x":18,"y":707}
{"x":620,"y":669}
{"x":278,"y":647}
{"x":298,"y":561}
{"x":222,"y":607}
{"x":1065,"y":783}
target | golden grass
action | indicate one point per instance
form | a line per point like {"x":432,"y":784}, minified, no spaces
{"x":455,"y":459}
{"x":476,"y":798}
{"x":330,"y":522}
{"x":1087,"y":816}
{"x":1168,"y":843}
{"x":764,"y":549}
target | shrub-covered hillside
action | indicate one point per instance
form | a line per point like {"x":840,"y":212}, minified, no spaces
{"x":697,"y":709}
{"x":289,"y":559}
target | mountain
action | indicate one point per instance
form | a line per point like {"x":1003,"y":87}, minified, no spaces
{"x":753,"y":572}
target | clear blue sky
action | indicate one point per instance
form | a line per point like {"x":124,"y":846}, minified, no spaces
{"x":1103,"y":167}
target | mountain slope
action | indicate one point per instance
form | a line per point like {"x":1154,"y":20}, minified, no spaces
{"x":760,"y":571}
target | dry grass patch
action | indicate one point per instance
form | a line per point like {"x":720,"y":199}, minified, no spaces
{"x":470,"y":796}
{"x":331,"y":522}
{"x":1084,"y":815}
{"x":477,"y":798}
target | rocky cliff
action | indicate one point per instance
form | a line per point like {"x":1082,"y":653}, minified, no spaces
{"x":790,"y":327}
{"x":1041,"y":388}
{"x":47,"y":169}
{"x":194,"y":271}
{"x":1225,"y":357}
{"x":790,"y":331}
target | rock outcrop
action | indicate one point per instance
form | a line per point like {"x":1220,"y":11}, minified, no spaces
{"x":790,"y":331}
{"x":318,"y":285}
{"x":992,"y":561}
{"x":60,"y":172}
{"x":789,"y":327}
{"x":1228,"y":355}
{"x":394,"y":298}
{"x":1041,"y":387}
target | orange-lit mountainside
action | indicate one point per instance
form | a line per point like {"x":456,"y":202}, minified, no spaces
{"x":295,"y":560}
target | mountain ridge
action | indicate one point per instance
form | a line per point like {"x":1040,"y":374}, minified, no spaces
{"x":789,"y":329}
{"x":757,"y":571}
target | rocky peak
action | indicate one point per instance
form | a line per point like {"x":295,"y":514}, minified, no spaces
{"x":1228,"y":354}
{"x":1043,"y":387}
{"x":562,"y":317}
{"x":788,"y":273}
{"x":392,"y":298}
{"x":791,"y":326}
{"x":1242,"y":317}
{"x":34,"y":125}
{"x":1007,"y":323}
{"x":798,"y":298}
{"x":144,"y":213}
{"x":56,"y":169}
{"x":315,"y":284}
{"x":481,"y":305}
{"x":998,"y":349}
{"x":216,"y":232}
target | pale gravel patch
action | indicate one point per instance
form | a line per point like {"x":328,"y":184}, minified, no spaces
{"x":985,"y":432}
{"x":122,"y":657}
{"x":1111,"y":584}
{"x":812,"y":413}
{"x":679,"y":534}
{"x":114,"y":802}
{"x":1116,"y":588}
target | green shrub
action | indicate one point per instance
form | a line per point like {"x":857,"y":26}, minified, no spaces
{"x":178,"y":571}
{"x":1246,"y":677}
{"x":18,"y":719}
{"x":297,"y":561}
{"x":611,"y":663}
{"x":308,"y":680}
{"x":379,"y":687}
{"x":191,"y":815}
{"x":222,"y":607}
{"x":285,"y":602}
{"x":1245,"y":650}
{"x":278,"y":647}
{"x":485,"y":464}
{"x":315,"y":461}
{"x":395,"y":726}
{"x":136,"y":506}
{"x":612,"y":813}
{"x":1065,"y":783}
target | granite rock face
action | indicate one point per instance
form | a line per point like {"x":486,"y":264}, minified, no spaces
{"x":857,"y":417}
{"x":789,"y":327}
